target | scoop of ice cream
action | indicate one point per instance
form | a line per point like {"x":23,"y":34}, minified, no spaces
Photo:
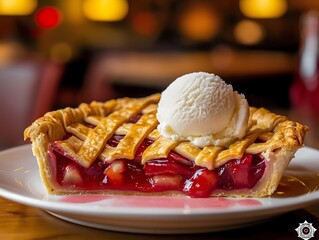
{"x":202,"y":108}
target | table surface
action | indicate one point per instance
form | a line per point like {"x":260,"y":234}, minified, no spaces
{"x":18,"y":221}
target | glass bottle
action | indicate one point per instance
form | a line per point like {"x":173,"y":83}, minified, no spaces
{"x":304,"y":91}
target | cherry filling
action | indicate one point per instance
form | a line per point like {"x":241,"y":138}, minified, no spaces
{"x":175,"y":173}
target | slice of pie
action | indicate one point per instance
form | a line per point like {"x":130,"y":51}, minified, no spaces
{"x":115,"y":147}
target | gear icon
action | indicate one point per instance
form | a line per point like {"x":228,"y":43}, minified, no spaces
{"x":306,"y":230}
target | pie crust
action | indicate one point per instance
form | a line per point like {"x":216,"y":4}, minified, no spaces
{"x":274,"y":136}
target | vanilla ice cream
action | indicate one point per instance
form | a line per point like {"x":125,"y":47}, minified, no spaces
{"x":202,"y":108}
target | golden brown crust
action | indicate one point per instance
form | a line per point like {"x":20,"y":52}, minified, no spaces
{"x":268,"y":133}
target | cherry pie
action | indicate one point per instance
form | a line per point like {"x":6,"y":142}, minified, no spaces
{"x":115,"y":147}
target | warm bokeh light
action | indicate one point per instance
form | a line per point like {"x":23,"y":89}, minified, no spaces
{"x":199,"y":22}
{"x":72,"y":12}
{"x":48,"y":17}
{"x":10,"y":52}
{"x":61,"y":52}
{"x":105,"y":10}
{"x":17,"y":7}
{"x":145,"y":23}
{"x":263,"y":8}
{"x":248,"y":32}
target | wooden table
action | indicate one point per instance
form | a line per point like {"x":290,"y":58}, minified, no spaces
{"x":23,"y":222}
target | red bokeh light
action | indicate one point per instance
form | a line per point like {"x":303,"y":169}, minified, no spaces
{"x":48,"y":17}
{"x":145,"y":23}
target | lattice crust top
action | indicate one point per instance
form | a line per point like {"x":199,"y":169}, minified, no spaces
{"x":267,"y":132}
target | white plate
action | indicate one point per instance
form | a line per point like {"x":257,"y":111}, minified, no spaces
{"x":20,"y":182}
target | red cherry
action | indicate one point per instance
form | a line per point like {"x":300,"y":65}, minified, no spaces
{"x":239,"y":171}
{"x":201,"y":184}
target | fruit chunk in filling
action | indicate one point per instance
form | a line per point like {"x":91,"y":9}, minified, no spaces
{"x":174,"y":173}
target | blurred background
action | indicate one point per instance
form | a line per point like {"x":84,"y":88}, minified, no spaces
{"x":60,"y":53}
